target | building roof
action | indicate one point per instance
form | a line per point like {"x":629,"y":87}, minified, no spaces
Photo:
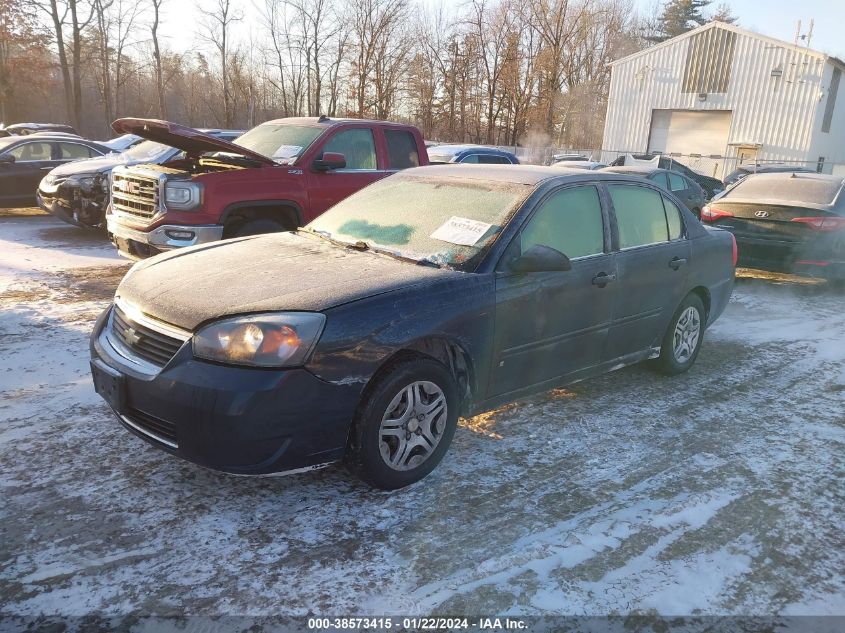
{"x":730,"y":27}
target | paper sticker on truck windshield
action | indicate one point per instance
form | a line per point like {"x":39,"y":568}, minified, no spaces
{"x":461,"y":231}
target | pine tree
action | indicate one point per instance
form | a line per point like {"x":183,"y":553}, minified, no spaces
{"x":680,"y":16}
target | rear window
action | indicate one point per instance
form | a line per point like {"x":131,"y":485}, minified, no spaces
{"x":401,"y":149}
{"x":783,"y":188}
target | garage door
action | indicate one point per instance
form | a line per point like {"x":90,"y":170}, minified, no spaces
{"x":686,"y":132}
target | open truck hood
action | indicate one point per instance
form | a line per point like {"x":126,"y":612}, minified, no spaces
{"x":185,"y":138}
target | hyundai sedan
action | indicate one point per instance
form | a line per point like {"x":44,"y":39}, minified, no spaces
{"x":435,"y":293}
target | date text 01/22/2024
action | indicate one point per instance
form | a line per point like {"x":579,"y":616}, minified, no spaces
{"x":417,"y":624}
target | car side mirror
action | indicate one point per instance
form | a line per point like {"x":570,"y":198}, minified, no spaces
{"x":7,"y":159}
{"x":539,"y":259}
{"x":329,"y":161}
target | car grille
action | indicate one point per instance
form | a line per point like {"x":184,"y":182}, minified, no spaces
{"x":134,"y":195}
{"x":158,"y":429}
{"x":151,"y":345}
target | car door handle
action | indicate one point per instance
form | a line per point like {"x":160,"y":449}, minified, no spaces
{"x":46,"y":168}
{"x":602,"y":279}
{"x":677,"y":262}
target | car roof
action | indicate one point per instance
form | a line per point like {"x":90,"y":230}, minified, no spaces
{"x":634,"y":169}
{"x":324,"y":121}
{"x":764,"y":168}
{"x":515,"y":174}
{"x":48,"y":136}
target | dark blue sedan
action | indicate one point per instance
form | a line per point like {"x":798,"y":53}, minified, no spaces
{"x":431,"y":294}
{"x":470,"y":154}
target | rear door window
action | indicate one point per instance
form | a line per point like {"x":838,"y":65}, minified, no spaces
{"x":356,"y":145}
{"x":570,"y":221}
{"x":640,"y":216}
{"x":660,"y":179}
{"x":74,"y":150}
{"x":401,"y":149}
{"x":489,"y":159}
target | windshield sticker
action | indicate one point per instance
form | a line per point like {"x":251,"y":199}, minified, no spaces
{"x":461,"y":231}
{"x":287,"y":151}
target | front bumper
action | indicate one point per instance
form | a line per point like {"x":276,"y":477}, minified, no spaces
{"x":55,"y":208}
{"x":232,"y":419}
{"x":161,"y":238}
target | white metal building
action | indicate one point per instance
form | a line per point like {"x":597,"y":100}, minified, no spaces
{"x":720,"y":95}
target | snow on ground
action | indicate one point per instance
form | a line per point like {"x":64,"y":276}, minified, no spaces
{"x":717,"y":492}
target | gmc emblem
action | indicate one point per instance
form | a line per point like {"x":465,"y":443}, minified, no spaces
{"x":127,"y":186}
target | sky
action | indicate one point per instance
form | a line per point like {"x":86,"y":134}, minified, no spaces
{"x":775,"y":18}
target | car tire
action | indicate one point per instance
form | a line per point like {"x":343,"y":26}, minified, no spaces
{"x":392,"y":446}
{"x":683,"y":337}
{"x":257,"y":227}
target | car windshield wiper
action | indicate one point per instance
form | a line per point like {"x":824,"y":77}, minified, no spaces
{"x":362,"y":246}
{"x":381,"y":250}
{"x":323,"y":235}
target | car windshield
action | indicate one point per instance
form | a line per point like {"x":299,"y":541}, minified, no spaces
{"x":442,"y":220}
{"x":788,"y":188}
{"x":148,"y":152}
{"x":283,"y":143}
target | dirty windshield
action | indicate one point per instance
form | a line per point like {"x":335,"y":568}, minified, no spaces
{"x":435,"y":219}
{"x":282,"y":143}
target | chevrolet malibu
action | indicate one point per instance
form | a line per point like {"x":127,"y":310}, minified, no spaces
{"x":435,"y":293}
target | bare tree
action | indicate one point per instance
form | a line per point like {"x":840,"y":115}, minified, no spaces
{"x":216,"y":31}
{"x":380,"y":52}
{"x":162,"y":102}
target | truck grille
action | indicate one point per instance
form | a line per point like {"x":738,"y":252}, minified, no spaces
{"x":150,"y":344}
{"x":134,"y":195}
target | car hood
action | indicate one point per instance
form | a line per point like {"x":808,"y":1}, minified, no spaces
{"x":279,"y":271}
{"x":90,"y":165}
{"x":185,"y":138}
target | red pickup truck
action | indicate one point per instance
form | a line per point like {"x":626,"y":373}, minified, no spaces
{"x":276,"y":177}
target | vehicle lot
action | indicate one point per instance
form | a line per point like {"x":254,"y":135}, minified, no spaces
{"x":719,"y":491}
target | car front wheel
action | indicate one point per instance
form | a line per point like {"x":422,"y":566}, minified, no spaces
{"x":683,"y":338}
{"x":405,"y":424}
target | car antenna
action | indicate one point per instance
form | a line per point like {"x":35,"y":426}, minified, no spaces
{"x":323,"y":118}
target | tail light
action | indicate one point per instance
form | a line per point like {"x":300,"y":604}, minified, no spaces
{"x":711,"y":214}
{"x":823,"y":223}
{"x":734,"y":250}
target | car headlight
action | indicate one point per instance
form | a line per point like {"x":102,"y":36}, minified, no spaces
{"x":281,"y":339}
{"x":182,"y":195}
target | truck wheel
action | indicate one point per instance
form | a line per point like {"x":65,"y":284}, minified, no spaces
{"x":257,"y":227}
{"x":405,"y":425}
{"x":682,"y":340}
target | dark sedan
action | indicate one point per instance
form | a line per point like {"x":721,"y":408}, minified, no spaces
{"x":79,"y":193}
{"x":786,"y":222}
{"x":24,"y":160}
{"x":471,"y":154}
{"x":434,"y":293}
{"x":710,"y":185}
{"x":689,"y":191}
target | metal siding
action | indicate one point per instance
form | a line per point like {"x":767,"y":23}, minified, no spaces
{"x":777,"y":112}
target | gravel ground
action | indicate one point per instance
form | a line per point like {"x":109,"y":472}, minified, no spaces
{"x":716,"y":492}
